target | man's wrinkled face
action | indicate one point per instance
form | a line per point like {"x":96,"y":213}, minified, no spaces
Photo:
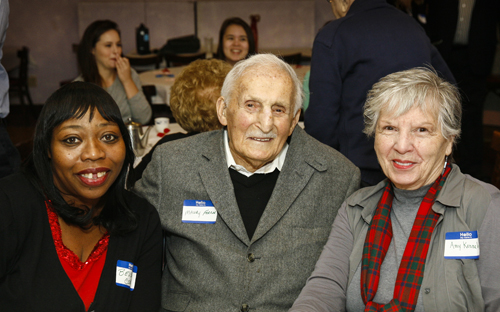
{"x":260,"y":117}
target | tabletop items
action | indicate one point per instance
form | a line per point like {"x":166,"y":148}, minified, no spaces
{"x":138,"y":136}
{"x":151,"y":137}
{"x":161,"y":125}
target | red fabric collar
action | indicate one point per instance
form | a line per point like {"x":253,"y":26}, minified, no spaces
{"x":411,"y":268}
{"x":84,"y":276}
{"x":63,"y":251}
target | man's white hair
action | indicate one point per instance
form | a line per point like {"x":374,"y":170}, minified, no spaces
{"x":264,"y":62}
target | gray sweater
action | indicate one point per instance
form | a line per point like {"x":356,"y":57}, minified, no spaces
{"x":136,"y":107}
{"x":404,"y":210}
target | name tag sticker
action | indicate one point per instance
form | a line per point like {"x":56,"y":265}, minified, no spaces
{"x":126,"y":273}
{"x":461,"y":245}
{"x":198,"y":211}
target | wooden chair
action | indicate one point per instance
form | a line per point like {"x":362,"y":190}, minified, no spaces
{"x":140,"y":62}
{"x":495,"y":145}
{"x":149,"y":91}
{"x":19,"y":84}
{"x":293,"y":59}
{"x":180,"y":59}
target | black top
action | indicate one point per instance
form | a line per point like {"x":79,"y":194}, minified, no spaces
{"x":350,"y":54}
{"x":32,"y":277}
{"x":252,"y":194}
{"x":442,"y":18}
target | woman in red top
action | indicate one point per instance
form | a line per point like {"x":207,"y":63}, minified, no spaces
{"x":72,"y":238}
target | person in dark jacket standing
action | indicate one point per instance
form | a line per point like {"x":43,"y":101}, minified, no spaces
{"x":465,"y":33}
{"x":369,"y":40}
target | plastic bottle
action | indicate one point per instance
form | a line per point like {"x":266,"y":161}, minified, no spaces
{"x":142,"y":39}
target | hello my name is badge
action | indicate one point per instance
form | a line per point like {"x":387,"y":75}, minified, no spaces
{"x":198,"y":211}
{"x":461,"y":245}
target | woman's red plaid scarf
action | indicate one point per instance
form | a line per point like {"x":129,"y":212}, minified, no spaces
{"x":411,"y":269}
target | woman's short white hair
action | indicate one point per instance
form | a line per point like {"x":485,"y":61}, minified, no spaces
{"x":267,"y":61}
{"x":421,"y":87}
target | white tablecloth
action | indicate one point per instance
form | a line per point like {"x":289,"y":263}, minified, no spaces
{"x":162,"y":79}
{"x":153,"y":138}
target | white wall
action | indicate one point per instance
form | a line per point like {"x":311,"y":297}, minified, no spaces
{"x":50,"y":27}
{"x":164,"y":19}
{"x":282,"y":24}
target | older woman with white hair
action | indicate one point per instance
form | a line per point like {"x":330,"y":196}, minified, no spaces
{"x":427,"y":218}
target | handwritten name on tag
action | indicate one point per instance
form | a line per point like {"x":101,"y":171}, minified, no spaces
{"x":461,"y":245}
{"x":126,"y":273}
{"x":198,"y":211}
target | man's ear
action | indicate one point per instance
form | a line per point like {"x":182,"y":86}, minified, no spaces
{"x":295,"y":121}
{"x":221,"y":111}
{"x":345,"y":6}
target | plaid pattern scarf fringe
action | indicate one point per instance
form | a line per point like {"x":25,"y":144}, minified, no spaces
{"x":411,"y":268}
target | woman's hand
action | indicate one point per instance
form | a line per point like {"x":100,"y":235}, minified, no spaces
{"x":123,"y":69}
{"x":125,"y":75}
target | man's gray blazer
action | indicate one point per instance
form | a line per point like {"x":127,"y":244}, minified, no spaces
{"x":215,"y":267}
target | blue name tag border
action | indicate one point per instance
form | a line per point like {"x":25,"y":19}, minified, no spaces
{"x":465,"y":235}
{"x":129,"y":266}
{"x":456,"y":258}
{"x":192,"y":202}
{"x":206,"y":222}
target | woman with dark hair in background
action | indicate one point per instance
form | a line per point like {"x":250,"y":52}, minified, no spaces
{"x":236,"y":41}
{"x":71,"y":237}
{"x":101,"y":62}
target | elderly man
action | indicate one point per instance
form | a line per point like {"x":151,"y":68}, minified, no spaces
{"x":247,"y":209}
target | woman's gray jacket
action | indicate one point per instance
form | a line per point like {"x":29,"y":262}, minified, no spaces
{"x":465,"y":204}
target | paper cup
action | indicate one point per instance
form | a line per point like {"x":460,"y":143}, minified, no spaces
{"x":161,"y":124}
